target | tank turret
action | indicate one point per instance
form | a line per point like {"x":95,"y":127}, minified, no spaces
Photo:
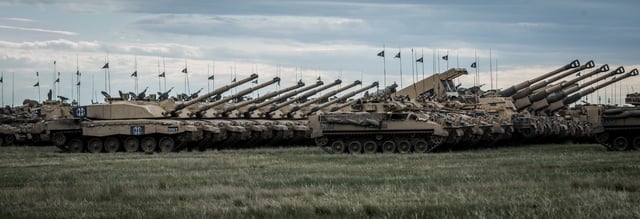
{"x":515,"y":88}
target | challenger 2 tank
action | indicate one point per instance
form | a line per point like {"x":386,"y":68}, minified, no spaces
{"x":618,"y":126}
{"x":377,"y":124}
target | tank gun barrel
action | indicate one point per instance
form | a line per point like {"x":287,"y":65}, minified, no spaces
{"x":305,"y":95}
{"x":564,"y":86}
{"x":515,"y":88}
{"x":558,"y":96}
{"x":213,"y":93}
{"x":263,"y":97}
{"x":239,"y":94}
{"x":575,"y":97}
{"x":531,"y":89}
{"x":325,"y":96}
{"x":343,"y":97}
{"x":285,"y":96}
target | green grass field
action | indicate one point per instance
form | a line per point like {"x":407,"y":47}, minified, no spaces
{"x":534,"y":181}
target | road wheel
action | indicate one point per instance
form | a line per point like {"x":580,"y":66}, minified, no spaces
{"x":370,"y":147}
{"x":59,"y":139}
{"x":111,"y":144}
{"x":388,"y":147}
{"x":636,"y":143}
{"x":76,"y":145}
{"x":167,"y":144}
{"x":620,"y":143}
{"x":148,"y":144}
{"x":9,"y":139}
{"x":355,"y":147}
{"x":131,"y":144}
{"x":421,"y":146}
{"x":94,"y":145}
{"x":322,"y":141}
{"x":404,"y":146}
{"x":338,"y":147}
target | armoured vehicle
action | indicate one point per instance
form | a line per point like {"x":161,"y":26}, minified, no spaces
{"x":619,"y":125}
{"x":379,"y":126}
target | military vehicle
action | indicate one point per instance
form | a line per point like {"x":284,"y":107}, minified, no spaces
{"x":376,"y":124}
{"x":619,"y":125}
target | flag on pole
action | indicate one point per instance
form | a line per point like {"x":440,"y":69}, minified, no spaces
{"x":234,"y":80}
{"x":1,"y":79}
{"x":381,"y":53}
{"x":57,"y":80}
{"x":78,"y":83}
{"x":319,"y":79}
{"x":421,"y":59}
{"x":37,"y":74}
{"x":473,"y":65}
{"x":106,"y":65}
{"x":78,"y":73}
{"x":211,"y":77}
{"x":184,"y":70}
{"x":54,"y":62}
{"x":255,"y":82}
{"x":446,"y":57}
{"x":37,"y":84}
{"x":397,"y":55}
{"x":134,"y":74}
{"x":162,"y":75}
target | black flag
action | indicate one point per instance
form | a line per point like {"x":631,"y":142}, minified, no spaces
{"x":162,"y":75}
{"x":473,"y":65}
{"x":421,"y":59}
{"x":78,"y":73}
{"x":234,"y":80}
{"x":106,"y":65}
{"x":1,"y":79}
{"x":134,"y":74}
{"x":255,"y":82}
{"x":78,"y":83}
{"x":37,"y":84}
{"x":381,"y":53}
{"x":57,"y":80}
{"x":446,"y":57}
{"x":319,"y":79}
{"x":397,"y":55}
{"x":211,"y":77}
{"x":184,"y":70}
{"x":37,"y":74}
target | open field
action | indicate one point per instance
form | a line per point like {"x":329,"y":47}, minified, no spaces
{"x":533,"y":181}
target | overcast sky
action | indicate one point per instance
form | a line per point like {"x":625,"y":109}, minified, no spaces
{"x":302,"y":39}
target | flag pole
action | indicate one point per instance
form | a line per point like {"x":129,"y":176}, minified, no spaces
{"x":399,"y":56}
{"x":54,"y":79}
{"x":2,"y":84}
{"x":38,"y":85}
{"x":13,"y":88}
{"x":491,"y":68}
{"x":447,"y":59}
{"x":77,"y":79}
{"x":422,"y":55}
{"x":159,"y":82}
{"x":164,"y":71}
{"x":384,"y":67}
